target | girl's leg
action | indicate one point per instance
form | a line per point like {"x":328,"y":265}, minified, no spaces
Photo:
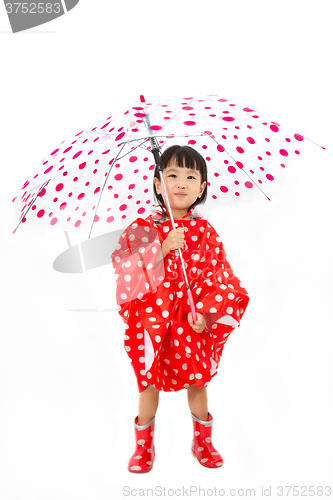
{"x":198,"y":401}
{"x":148,"y":403}
{"x":202,"y":446}
{"x":144,"y":429}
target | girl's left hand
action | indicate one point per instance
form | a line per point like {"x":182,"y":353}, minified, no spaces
{"x":199,"y":325}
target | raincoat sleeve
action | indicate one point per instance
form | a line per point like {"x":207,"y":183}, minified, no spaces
{"x":221,"y":297}
{"x":138,"y":263}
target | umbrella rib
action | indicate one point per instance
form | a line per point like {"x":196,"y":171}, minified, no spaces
{"x":242,"y":169}
{"x":100,"y":133}
{"x":134,"y":148}
{"x":139,"y":139}
{"x":140,"y":145}
{"x":31,"y":203}
{"x":118,"y":157}
{"x":174,"y":116}
{"x":313,"y":142}
{"x":189,"y":102}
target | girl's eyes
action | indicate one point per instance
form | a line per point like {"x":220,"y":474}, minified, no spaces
{"x":189,"y":176}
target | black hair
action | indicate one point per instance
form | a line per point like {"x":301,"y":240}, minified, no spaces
{"x":185,"y":156}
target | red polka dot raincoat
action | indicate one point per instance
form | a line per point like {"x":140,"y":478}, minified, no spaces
{"x":152,"y":300}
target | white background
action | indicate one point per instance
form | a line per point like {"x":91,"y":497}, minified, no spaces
{"x":68,"y":395}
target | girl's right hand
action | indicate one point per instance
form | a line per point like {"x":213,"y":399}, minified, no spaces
{"x":174,"y":240}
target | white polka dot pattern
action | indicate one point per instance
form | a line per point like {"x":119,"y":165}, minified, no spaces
{"x":180,"y":356}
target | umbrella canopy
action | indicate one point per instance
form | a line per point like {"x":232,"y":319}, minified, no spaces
{"x":101,"y":179}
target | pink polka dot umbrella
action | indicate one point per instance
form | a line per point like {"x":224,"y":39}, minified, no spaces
{"x":101,"y":179}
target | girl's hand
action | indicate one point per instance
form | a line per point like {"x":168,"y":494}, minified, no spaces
{"x":199,"y":325}
{"x":174,"y":240}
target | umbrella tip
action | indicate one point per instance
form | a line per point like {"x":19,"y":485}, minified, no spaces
{"x":142,"y":99}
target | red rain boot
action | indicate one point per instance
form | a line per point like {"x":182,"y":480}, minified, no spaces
{"x":143,"y":457}
{"x":202,"y":447}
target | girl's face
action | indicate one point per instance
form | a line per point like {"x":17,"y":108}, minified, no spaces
{"x":183,"y":186}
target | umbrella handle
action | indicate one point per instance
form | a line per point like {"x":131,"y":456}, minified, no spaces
{"x":155,"y":151}
{"x":190,"y":298}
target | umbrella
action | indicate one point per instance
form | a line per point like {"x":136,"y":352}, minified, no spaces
{"x":100,"y":179}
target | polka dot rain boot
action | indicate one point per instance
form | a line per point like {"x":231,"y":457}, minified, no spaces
{"x":202,"y":447}
{"x":143,"y":457}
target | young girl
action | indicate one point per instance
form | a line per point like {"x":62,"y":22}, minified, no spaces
{"x":167,"y":349}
